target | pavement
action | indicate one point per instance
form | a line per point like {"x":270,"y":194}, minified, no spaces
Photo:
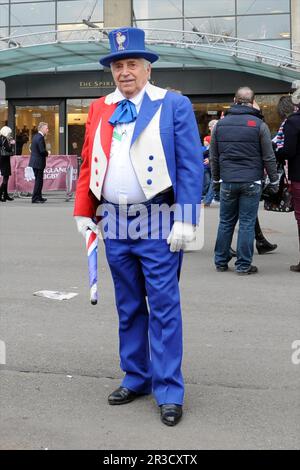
{"x":242,"y":387}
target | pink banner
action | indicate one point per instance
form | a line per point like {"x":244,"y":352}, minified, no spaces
{"x":58,"y":174}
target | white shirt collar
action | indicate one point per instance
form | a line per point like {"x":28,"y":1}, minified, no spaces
{"x":40,"y":132}
{"x":137,"y":99}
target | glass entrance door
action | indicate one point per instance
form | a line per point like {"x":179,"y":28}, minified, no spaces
{"x":27,"y":118}
{"x":77,"y":113}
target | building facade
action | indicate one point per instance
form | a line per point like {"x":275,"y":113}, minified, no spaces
{"x":61,"y":96}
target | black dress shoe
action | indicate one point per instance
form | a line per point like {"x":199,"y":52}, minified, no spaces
{"x":43,"y":199}
{"x":263,"y":246}
{"x":121,"y":396}
{"x":38,"y":202}
{"x":295,"y":268}
{"x":170,"y":414}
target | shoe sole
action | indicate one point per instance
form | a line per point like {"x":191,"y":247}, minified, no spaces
{"x":126,"y":401}
{"x":264,"y":252}
{"x":121,"y":402}
{"x":246,"y":273}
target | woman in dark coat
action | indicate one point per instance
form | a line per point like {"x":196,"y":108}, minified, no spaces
{"x":6,"y":150}
{"x":291,"y":150}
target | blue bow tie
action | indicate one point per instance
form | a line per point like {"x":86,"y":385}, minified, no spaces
{"x":125,"y":112}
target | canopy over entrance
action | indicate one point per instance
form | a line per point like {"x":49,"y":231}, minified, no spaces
{"x":44,"y":51}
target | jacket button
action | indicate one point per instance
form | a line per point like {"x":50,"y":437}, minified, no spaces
{"x":96,"y":159}
{"x":97,"y":184}
{"x":150,"y":168}
{"x":149,"y":181}
{"x":96,"y":172}
{"x":151,"y":157}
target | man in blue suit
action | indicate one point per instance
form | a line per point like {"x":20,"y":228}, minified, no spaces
{"x":38,"y":161}
{"x":141,"y":155}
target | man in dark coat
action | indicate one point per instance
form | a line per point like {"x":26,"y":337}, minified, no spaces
{"x":240,"y":150}
{"x":38,"y":161}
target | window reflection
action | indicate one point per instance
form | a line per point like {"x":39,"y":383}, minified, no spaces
{"x":26,"y":1}
{"x":32,"y":13}
{"x":74,"y":11}
{"x":4,"y":15}
{"x":162,"y":24}
{"x":245,"y":7}
{"x":223,"y":26}
{"x":157,"y":9}
{"x":263,"y":27}
{"x":3,"y":34}
{"x":262,"y":21}
{"x":29,"y":30}
{"x":208,"y":8}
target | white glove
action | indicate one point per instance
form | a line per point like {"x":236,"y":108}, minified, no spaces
{"x":181,"y":233}
{"x":84,"y":223}
{"x":29,"y":174}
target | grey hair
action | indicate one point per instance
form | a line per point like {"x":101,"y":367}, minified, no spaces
{"x":212,"y":123}
{"x":5,"y":131}
{"x":146,"y":62}
{"x":42,"y":124}
{"x":296,"y":98}
{"x":244,"y":95}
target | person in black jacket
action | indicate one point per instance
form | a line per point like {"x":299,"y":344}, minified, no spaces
{"x":291,"y":150}
{"x":38,"y":161}
{"x":6,"y":151}
{"x":240,"y":149}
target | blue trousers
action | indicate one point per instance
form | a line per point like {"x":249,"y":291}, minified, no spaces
{"x":150,"y":339}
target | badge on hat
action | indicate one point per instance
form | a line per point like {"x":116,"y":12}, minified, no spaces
{"x":121,"y":39}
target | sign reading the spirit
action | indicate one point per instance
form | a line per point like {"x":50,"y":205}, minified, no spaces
{"x":98,"y":84}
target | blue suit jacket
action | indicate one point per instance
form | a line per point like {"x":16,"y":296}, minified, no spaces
{"x":165,"y":151}
{"x":38,"y":152}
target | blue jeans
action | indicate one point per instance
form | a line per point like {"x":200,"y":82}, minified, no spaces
{"x":208,"y":193}
{"x":206,"y":180}
{"x":238,"y":202}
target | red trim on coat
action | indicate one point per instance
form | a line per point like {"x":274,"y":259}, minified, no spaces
{"x":85,"y":202}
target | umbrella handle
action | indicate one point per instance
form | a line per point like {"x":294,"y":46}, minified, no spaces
{"x":94,"y":294}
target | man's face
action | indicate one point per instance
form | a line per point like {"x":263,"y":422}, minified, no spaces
{"x":45,"y":130}
{"x":130,"y":75}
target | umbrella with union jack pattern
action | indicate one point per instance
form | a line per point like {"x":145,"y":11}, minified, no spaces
{"x":92,"y":252}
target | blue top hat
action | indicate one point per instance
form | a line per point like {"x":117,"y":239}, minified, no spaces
{"x":127,"y":42}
